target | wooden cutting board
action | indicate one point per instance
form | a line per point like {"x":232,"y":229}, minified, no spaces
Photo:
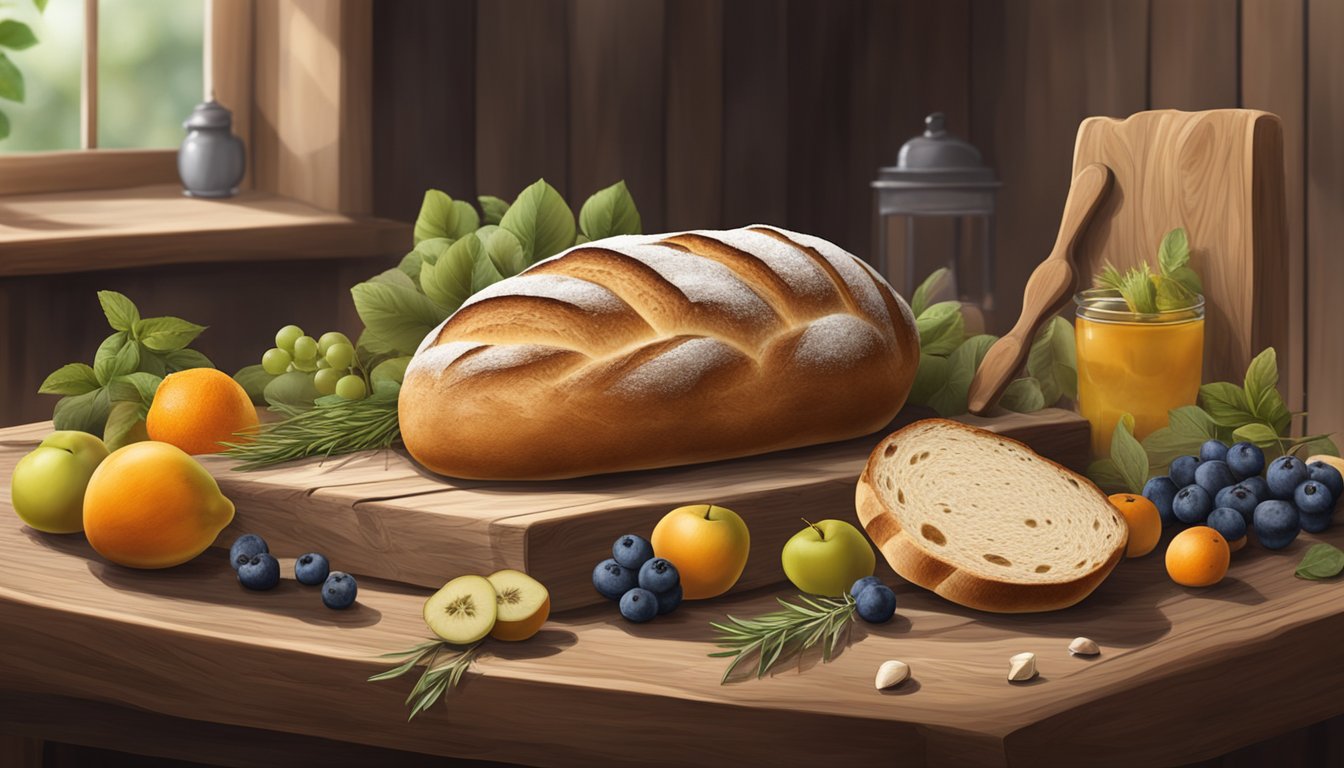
{"x":379,"y":514}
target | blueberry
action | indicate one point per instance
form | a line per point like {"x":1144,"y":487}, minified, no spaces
{"x":1213,"y":476}
{"x":260,"y":572}
{"x":1276,"y":523}
{"x":876,"y":603}
{"x":1328,"y":476}
{"x":1284,"y":475}
{"x":339,"y":590}
{"x":613,"y":579}
{"x":669,"y":600}
{"x":862,"y":583}
{"x":632,"y":551}
{"x":1257,"y":486}
{"x":1182,"y":470}
{"x":639,"y":605}
{"x":1213,"y":450}
{"x":1313,"y":498}
{"x":1318,"y":523}
{"x":1228,"y":522}
{"x":658,"y":575}
{"x":1237,"y":497}
{"x":311,"y":569}
{"x":1192,"y":505}
{"x":1246,"y":459}
{"x":244,"y":547}
{"x":1162,"y":491}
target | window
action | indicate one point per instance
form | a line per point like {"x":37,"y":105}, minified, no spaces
{"x":119,"y":74}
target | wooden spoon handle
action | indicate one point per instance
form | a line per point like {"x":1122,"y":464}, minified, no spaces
{"x":1048,"y":290}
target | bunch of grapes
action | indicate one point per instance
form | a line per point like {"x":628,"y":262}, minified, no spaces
{"x":330,"y":358}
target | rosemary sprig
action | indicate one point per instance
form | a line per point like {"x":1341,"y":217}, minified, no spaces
{"x":822,"y":620}
{"x":434,"y":680}
{"x":331,"y":428}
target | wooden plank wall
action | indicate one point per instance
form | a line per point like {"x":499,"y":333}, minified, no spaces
{"x":728,"y":112}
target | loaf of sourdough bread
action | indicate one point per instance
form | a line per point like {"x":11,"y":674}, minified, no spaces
{"x":647,"y":351}
{"x":986,"y":522}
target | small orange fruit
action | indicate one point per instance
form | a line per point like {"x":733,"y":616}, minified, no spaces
{"x":150,"y":505}
{"x":199,"y":408}
{"x":1198,"y":557}
{"x":1143,"y":520}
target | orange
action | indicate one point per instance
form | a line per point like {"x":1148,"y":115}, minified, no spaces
{"x":1198,"y":557}
{"x":150,"y":505}
{"x":199,"y":408}
{"x":707,"y":543}
{"x":1143,"y":520}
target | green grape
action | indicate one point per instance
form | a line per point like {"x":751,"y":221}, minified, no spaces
{"x":326,"y":380}
{"x":275,"y":361}
{"x":322,"y":363}
{"x":351,"y":387}
{"x":328,"y":339}
{"x":340,"y":355}
{"x":307,"y":366}
{"x":285,"y":337}
{"x":305,"y":348}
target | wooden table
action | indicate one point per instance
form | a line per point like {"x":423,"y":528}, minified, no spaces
{"x":1184,"y":674}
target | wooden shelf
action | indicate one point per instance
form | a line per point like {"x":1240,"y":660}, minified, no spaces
{"x":157,"y":225}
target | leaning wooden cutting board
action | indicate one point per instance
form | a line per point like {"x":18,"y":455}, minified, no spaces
{"x":379,"y":514}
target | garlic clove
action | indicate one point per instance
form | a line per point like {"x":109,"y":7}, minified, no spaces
{"x":1022,"y":667}
{"x":891,"y":673}
{"x":1082,"y":646}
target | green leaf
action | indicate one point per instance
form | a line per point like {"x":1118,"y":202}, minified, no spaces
{"x":11,"y":80}
{"x":1053,"y":361}
{"x":122,"y":419}
{"x":183,"y":359}
{"x":941,"y":328}
{"x":120,"y":311}
{"x":41,"y":5}
{"x":1165,"y":444}
{"x":165,"y":334}
{"x":1128,"y":455}
{"x":1192,"y":421}
{"x":438,"y":217}
{"x":950,"y":399}
{"x":72,"y":379}
{"x":1188,"y":279}
{"x":505,"y":252}
{"x":294,"y":389}
{"x":610,"y":212}
{"x":145,"y":385}
{"x":493,"y":207}
{"x":425,"y":252}
{"x":541,"y":221}
{"x":4,"y":125}
{"x":116,"y":356}
{"x":1023,"y":396}
{"x":467,"y":220}
{"x":16,"y":35}
{"x":400,"y":317}
{"x":1226,"y":404}
{"x":395,"y":278}
{"x":929,"y":290}
{"x":86,"y":412}
{"x":253,"y":379}
{"x":1173,"y":295}
{"x":484,"y":274}
{"x":1322,"y":561}
{"x":1262,"y":394}
{"x":929,"y":377}
{"x":1262,"y":435}
{"x":1107,"y":476}
{"x":1318,"y":446}
{"x":447,"y":282}
{"x":1174,"y":252}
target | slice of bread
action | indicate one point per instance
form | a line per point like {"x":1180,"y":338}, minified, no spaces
{"x":986,"y":522}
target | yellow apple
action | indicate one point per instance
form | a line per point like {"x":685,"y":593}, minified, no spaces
{"x":708,"y":545}
{"x":47,"y":487}
{"x":826,"y":558}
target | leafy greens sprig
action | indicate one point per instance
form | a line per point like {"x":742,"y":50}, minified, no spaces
{"x":434,"y":681}
{"x":819,"y":621}
{"x":1176,"y":286}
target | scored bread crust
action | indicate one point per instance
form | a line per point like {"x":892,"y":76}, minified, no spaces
{"x":921,"y":565}
{"x":639,"y":352}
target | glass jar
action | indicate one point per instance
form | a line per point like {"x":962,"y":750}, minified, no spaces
{"x":1135,"y":363}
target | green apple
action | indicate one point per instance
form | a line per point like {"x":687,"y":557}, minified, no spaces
{"x":826,"y":558}
{"x":47,"y":487}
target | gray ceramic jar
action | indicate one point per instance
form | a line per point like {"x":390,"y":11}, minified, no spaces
{"x":211,"y":160}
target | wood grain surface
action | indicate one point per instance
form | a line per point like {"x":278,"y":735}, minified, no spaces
{"x":1219,"y":174}
{"x":1179,"y":669}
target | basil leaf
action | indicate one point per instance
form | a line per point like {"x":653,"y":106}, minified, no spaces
{"x":120,"y":311}
{"x":294,"y":389}
{"x":1321,"y":561}
{"x":942,"y":328}
{"x":483,"y":273}
{"x":1128,"y":455}
{"x":369,"y":347}
{"x":1165,"y":444}
{"x":493,"y":207}
{"x":1023,"y":396}
{"x":400,"y":317}
{"x":1262,"y":435}
{"x":253,"y":379}
{"x":1053,"y":361}
{"x":72,"y":379}
{"x":486,"y":230}
{"x":183,"y":359}
{"x":1193,"y":422}
{"x":1174,"y":252}
{"x":610,"y":212}
{"x":395,"y":278}
{"x":928,"y":290}
{"x":438,"y":217}
{"x":1107,"y":476}
{"x":467,"y":220}
{"x":541,"y":221}
{"x":165,"y":334}
{"x":1261,"y":386}
{"x":1173,"y":295}
{"x":1319,"y":446}
{"x":117,"y":355}
{"x":16,"y":36}
{"x":581,"y":238}
{"x":1226,"y":404}
{"x":1188,"y":279}
{"x":11,"y":82}
{"x":930,"y":375}
{"x":448,"y":281}
{"x":505,"y":252}
{"x":950,"y":398}
{"x":124,"y":425}
{"x":144,"y":386}
{"x":86,"y":412}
